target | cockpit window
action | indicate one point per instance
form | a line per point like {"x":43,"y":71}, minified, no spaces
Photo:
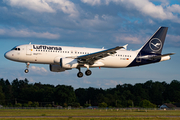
{"x":15,"y":49}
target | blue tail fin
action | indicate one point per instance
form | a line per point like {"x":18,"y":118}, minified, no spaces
{"x":155,"y":44}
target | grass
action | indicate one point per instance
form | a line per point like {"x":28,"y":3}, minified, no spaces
{"x":86,"y":114}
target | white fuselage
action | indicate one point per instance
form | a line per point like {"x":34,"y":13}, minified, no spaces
{"x":42,"y":55}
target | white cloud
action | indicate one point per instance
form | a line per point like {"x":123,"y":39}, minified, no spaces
{"x":145,"y":7}
{"x":49,"y":6}
{"x":66,"y":6}
{"x":27,"y":33}
{"x":103,"y":22}
{"x":31,"y":80}
{"x":92,"y":2}
{"x":38,"y":69}
{"x":127,"y":39}
{"x":112,"y":82}
{"x":174,"y":8}
{"x":36,"y":5}
{"x":174,"y":38}
{"x":148,"y":8}
{"x":86,"y":81}
{"x":2,"y":32}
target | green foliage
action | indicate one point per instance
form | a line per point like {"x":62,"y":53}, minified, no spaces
{"x":29,"y":103}
{"x":35,"y":104}
{"x":48,"y":105}
{"x":87,"y":105}
{"x":2,"y":96}
{"x":65,"y":105}
{"x":126,"y":95}
{"x":147,"y":104}
{"x":102,"y":105}
{"x":18,"y":105}
{"x":74,"y":104}
{"x":25,"y":105}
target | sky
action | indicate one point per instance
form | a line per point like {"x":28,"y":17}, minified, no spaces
{"x":89,"y":23}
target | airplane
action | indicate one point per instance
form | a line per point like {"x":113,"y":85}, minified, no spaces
{"x":62,"y":58}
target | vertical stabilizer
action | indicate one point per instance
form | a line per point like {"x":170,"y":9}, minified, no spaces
{"x":155,"y":44}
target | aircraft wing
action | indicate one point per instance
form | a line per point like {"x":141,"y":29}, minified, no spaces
{"x":90,"y":58}
{"x":159,"y":56}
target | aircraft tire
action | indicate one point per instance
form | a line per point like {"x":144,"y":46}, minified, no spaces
{"x":88,"y":72}
{"x":80,"y":74}
{"x":26,"y":70}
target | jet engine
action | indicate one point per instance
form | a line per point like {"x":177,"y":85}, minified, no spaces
{"x":56,"y":68}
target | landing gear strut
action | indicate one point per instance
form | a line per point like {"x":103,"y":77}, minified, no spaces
{"x":88,"y":72}
{"x":27,"y":66}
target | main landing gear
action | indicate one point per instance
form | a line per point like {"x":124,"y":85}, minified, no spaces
{"x":27,"y":66}
{"x":80,"y":74}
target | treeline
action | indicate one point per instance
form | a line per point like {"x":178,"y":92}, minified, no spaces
{"x":149,"y":94}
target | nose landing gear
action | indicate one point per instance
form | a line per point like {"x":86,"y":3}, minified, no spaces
{"x":27,"y":66}
{"x":26,"y":70}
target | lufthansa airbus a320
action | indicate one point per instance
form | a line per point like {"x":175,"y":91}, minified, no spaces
{"x":61,"y":58}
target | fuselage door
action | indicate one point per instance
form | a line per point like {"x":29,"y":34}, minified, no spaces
{"x":29,"y":50}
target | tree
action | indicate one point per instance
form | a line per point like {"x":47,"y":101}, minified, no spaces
{"x":35,"y":104}
{"x":2,"y":96}
{"x":102,"y":105}
{"x":81,"y":95}
{"x":18,"y":105}
{"x":30,"y":103}
{"x":147,"y":104}
{"x":64,"y":94}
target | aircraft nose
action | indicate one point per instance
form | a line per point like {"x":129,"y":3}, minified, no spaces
{"x":7,"y":55}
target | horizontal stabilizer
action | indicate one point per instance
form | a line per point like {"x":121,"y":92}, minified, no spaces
{"x":159,"y":56}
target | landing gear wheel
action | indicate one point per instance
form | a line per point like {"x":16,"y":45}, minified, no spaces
{"x":88,"y":72}
{"x":27,"y":66}
{"x":26,"y":70}
{"x":80,"y":74}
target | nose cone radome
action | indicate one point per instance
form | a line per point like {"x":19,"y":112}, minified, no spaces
{"x":8,"y":55}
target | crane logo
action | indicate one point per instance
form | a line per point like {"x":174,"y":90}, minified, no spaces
{"x":155,"y":44}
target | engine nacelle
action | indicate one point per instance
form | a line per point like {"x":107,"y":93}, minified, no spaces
{"x":56,"y":68}
{"x":68,"y":63}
